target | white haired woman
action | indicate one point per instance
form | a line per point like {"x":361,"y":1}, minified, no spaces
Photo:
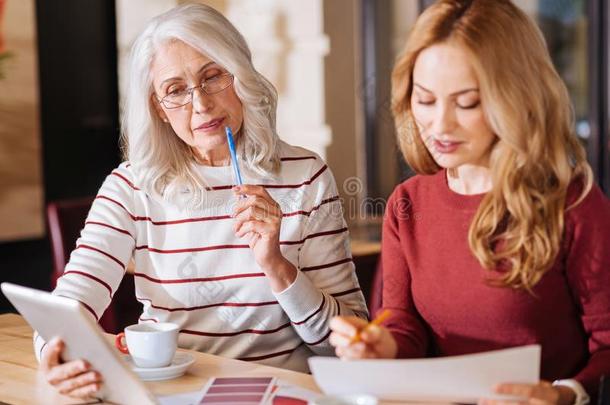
{"x":253,"y":272}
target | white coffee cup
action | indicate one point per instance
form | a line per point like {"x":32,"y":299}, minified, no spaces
{"x":149,"y":344}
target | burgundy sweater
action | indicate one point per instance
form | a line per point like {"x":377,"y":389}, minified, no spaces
{"x":442,"y":305}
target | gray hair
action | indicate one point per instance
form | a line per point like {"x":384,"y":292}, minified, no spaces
{"x":163,"y":164}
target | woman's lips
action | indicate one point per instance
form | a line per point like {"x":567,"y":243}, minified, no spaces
{"x":446,"y":146}
{"x":211,"y":125}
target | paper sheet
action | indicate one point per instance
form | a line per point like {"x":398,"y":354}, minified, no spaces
{"x":462,"y":379}
{"x":286,"y":393}
{"x":187,"y":398}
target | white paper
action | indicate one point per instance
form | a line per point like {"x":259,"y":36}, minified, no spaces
{"x":441,"y":379}
{"x":286,"y":389}
{"x":185,"y":398}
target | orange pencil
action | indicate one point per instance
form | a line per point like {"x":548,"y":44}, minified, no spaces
{"x":380,"y":318}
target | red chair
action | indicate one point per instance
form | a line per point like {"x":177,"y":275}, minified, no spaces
{"x":66,"y":219}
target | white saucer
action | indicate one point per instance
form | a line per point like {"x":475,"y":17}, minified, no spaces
{"x":178,"y":367}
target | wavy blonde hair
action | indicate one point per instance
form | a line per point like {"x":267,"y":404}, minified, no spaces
{"x":163,"y":164}
{"x":519,"y":225}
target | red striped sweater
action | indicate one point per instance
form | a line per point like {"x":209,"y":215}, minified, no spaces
{"x":193,"y":271}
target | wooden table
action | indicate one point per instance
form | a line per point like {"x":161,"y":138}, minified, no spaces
{"x":362,"y":247}
{"x":20,"y":383}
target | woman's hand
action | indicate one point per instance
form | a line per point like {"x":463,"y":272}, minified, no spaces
{"x":74,"y":378}
{"x":543,"y":393}
{"x":259,"y":217}
{"x":375,"y":342}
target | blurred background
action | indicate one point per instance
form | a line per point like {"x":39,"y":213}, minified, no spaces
{"x":62,"y":75}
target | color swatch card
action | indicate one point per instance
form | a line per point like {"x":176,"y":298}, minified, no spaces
{"x":237,"y":391}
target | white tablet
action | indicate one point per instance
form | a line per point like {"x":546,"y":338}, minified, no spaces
{"x":58,"y":316}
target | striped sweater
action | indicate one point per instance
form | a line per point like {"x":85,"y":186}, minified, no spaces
{"x":193,"y":271}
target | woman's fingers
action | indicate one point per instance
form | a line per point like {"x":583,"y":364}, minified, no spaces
{"x":347,"y":325}
{"x":251,"y":189}
{"x":544,"y":390}
{"x":261,"y":207}
{"x":74,"y":378}
{"x":344,"y":330}
{"x":86,"y":391}
{"x":70,"y":386}
{"x":258,"y":227}
{"x":374,"y":341}
{"x":542,"y":393}
{"x":51,"y":354}
{"x":339,"y":340}
{"x":356,"y":351}
{"x":257,"y":214}
{"x":499,"y":402}
{"x":256,"y":195}
{"x":371,"y":334}
{"x":252,"y":201}
{"x":520,"y":390}
{"x":348,"y":352}
{"x":65,"y":371}
{"x":263,"y":221}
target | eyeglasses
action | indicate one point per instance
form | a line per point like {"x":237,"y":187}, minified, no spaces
{"x":182,"y":97}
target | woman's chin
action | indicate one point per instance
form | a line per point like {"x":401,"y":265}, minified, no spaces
{"x":208,"y":141}
{"x":449,"y":163}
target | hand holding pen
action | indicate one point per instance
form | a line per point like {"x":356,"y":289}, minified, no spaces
{"x":258,"y":218}
{"x":355,"y":338}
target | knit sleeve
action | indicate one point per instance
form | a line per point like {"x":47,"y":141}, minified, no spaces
{"x":588,"y":272}
{"x":326,"y":283}
{"x":404,"y":323}
{"x":97,"y":263}
{"x":106,"y":243}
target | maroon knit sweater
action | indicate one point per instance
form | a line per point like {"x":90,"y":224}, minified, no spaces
{"x":442,"y":305}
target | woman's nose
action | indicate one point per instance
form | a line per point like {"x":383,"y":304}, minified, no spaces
{"x":202,"y":102}
{"x":444,"y":120}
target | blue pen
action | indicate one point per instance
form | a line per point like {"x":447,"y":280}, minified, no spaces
{"x":233,"y":156}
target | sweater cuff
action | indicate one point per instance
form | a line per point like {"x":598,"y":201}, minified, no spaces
{"x":299,"y":299}
{"x":39,"y":344}
{"x":406,"y":349}
{"x":581,"y":398}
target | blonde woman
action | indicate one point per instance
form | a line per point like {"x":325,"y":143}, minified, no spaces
{"x":502,"y":239}
{"x":252,"y":272}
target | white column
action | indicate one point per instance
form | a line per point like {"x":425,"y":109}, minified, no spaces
{"x":131,"y":18}
{"x":288,"y":46}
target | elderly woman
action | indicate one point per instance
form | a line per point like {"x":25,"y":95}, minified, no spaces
{"x":252,"y":272}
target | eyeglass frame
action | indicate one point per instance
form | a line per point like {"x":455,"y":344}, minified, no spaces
{"x":201,"y":86}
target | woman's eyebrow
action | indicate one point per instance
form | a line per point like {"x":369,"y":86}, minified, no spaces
{"x":203,"y":68}
{"x":457,"y":93}
{"x":207,"y":65}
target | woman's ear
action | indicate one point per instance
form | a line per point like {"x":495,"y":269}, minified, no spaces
{"x":157,"y":105}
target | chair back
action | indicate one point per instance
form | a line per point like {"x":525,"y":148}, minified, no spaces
{"x":66,"y":219}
